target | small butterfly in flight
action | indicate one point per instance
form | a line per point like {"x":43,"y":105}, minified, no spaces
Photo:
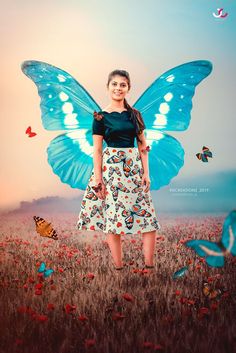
{"x":44,"y":228}
{"x":29,"y":132}
{"x":210,"y":292}
{"x":46,"y":271}
{"x":180,"y":273}
{"x":206,"y":154}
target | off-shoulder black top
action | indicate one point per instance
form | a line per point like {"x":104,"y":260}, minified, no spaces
{"x":116,"y":128}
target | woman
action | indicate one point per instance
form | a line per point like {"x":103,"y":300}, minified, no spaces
{"x":117,"y":199}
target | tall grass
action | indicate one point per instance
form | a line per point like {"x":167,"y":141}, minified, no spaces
{"x":87,"y":306}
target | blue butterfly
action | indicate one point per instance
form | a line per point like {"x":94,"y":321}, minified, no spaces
{"x":180,"y":272}
{"x":215,"y":252}
{"x":46,"y":272}
{"x":65,"y":105}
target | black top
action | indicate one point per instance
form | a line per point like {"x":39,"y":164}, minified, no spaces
{"x":116,"y":128}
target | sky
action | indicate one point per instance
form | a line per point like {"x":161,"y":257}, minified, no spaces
{"x":88,"y":39}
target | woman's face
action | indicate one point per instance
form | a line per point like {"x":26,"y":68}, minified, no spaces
{"x":118,"y":87}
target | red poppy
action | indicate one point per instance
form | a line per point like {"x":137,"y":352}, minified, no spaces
{"x":158,"y":347}
{"x":18,"y":341}
{"x":148,"y":344}
{"x":177,"y":292}
{"x":225,"y":295}
{"x":128,"y":297}
{"x":214,"y":306}
{"x":191,"y":302}
{"x":31,"y":311}
{"x":38,"y":286}
{"x":40,"y":276}
{"x":42,"y":318}
{"x":204,"y":311}
{"x":90,"y":275}
{"x":31,"y":280}
{"x":50,"y":306}
{"x":82,"y":317}
{"x":118,"y":316}
{"x":70,"y":308}
{"x":38,"y":292}
{"x":136,"y":270}
{"x":183,"y":300}
{"x":89,"y":342}
{"x":22,"y":309}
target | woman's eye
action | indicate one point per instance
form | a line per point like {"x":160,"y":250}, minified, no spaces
{"x":114,"y":84}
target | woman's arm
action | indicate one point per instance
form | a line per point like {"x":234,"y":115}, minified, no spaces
{"x":143,"y":154}
{"x":97,"y":156}
{"x":97,"y":160}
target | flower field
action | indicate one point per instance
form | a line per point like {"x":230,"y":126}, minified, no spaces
{"x":84,"y":305}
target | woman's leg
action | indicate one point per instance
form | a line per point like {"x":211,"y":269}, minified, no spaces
{"x":149,"y":242}
{"x":114,"y":242}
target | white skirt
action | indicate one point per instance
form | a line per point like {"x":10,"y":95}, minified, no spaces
{"x":127,"y":208}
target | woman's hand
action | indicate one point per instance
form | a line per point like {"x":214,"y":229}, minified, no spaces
{"x":101,"y":194}
{"x":146,"y":181}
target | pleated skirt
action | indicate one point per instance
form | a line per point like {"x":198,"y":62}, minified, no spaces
{"x":127,"y":208}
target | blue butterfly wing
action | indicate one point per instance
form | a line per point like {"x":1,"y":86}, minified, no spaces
{"x":166,"y":106}
{"x":48,"y":272}
{"x":42,"y":267}
{"x":65,"y":105}
{"x":71,"y":157}
{"x":180,"y":272}
{"x":229,"y":233}
{"x":204,"y":157}
{"x":209,"y":250}
{"x":166,"y":157}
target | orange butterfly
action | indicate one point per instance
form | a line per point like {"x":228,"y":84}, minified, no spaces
{"x":44,"y":228}
{"x":209,"y":292}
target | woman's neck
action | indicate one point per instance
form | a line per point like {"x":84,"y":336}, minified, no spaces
{"x":116,"y":106}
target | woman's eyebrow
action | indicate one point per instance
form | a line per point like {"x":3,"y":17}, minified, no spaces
{"x":121,"y":82}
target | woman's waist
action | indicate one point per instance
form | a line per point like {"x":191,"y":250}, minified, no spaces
{"x":119,"y":146}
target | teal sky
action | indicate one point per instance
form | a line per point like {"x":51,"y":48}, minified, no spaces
{"x":89,"y":39}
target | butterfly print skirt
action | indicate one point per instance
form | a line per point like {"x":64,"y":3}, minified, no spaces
{"x":127,"y":208}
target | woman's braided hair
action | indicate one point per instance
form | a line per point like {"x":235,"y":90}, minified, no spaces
{"x":135,"y":115}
